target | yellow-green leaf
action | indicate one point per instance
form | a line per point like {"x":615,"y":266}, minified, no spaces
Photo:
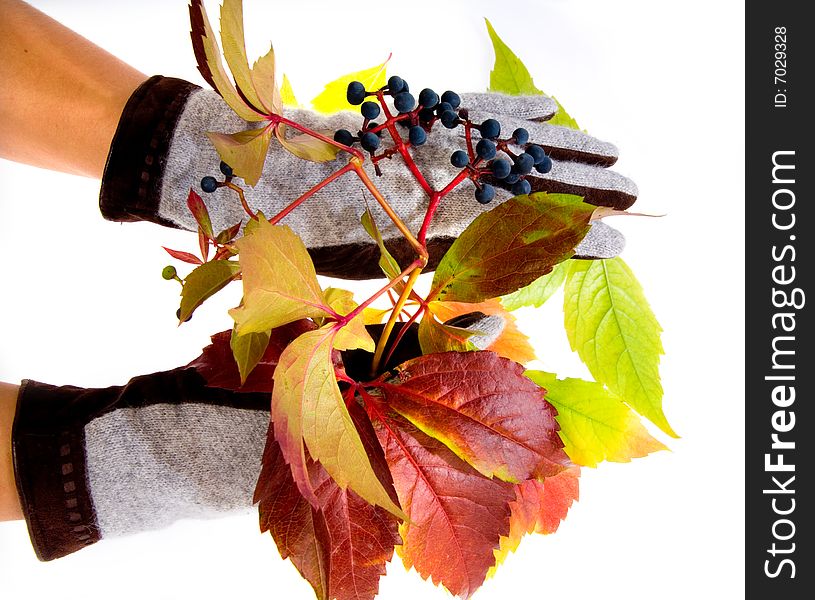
{"x":539,"y":291}
{"x":263,"y":76}
{"x":234,"y":45}
{"x":353,"y":334}
{"x":612,"y":328}
{"x":307,"y":406}
{"x":387,"y":262}
{"x":203,"y":33}
{"x":307,"y":146}
{"x":332,"y":99}
{"x":279,"y":281}
{"x":594,"y":424}
{"x":244,"y":151}
{"x":287,"y":93}
{"x":204,"y":281}
{"x":510,"y":76}
{"x":248,"y":349}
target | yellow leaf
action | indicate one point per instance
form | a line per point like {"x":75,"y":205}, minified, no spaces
{"x":244,"y":151}
{"x":234,"y":45}
{"x":263,"y":76}
{"x":307,"y":406}
{"x":374,"y":316}
{"x":332,"y":98}
{"x":248,"y":349}
{"x":594,"y":424}
{"x":279,"y":281}
{"x":220,"y":79}
{"x":307,"y":146}
{"x":353,"y":334}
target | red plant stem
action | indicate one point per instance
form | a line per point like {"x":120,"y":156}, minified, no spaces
{"x":468,"y":136}
{"x":239,"y":190}
{"x":301,"y":128}
{"x":279,"y":216}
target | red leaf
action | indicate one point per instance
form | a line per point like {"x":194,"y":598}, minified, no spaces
{"x":203,"y":244}
{"x":217,"y":363}
{"x":200,"y":213}
{"x":184,"y":256}
{"x":484,"y":409}
{"x":341,"y":547}
{"x":457,"y":516}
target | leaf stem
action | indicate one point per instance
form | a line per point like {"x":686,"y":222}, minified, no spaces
{"x":383,"y":339}
{"x":279,"y":216}
{"x":315,"y":134}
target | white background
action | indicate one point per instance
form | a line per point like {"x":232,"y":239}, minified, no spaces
{"x":83,"y":302}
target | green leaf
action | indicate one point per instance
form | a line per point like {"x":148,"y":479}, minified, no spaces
{"x":510,"y":76}
{"x":208,"y":56}
{"x":248,"y":349}
{"x":232,"y":39}
{"x":279,"y":281}
{"x":307,"y":406}
{"x":612,"y":328}
{"x":332,"y":99}
{"x":307,"y":146}
{"x":594,"y":424}
{"x":387,"y":262}
{"x":539,"y":291}
{"x":204,"y":281}
{"x":244,"y":151}
{"x":510,"y":246}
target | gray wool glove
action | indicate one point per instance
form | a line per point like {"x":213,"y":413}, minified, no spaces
{"x":328,"y":223}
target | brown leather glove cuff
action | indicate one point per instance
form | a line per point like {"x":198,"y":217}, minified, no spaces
{"x":131,"y":184}
{"x":48,"y":446}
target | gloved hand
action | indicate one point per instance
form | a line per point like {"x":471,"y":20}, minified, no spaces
{"x":161,"y":151}
{"x":102,"y":463}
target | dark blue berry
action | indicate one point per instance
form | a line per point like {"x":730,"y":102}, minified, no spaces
{"x":485,"y":194}
{"x":428,"y":98}
{"x":355,"y":93}
{"x":521,"y":136}
{"x":225,"y":169}
{"x":370,"y":110}
{"x":344,"y":137}
{"x":521,"y":187}
{"x":536,"y":152}
{"x":404,"y":102}
{"x":544,"y":166}
{"x":452,"y":98}
{"x":209,"y":184}
{"x":374,"y":125}
{"x":449,"y":119}
{"x":500,"y":168}
{"x":443,"y":107}
{"x":426,"y":115}
{"x":369,"y":141}
{"x":512,"y":178}
{"x":417,"y":135}
{"x":396,"y":85}
{"x":524,"y":163}
{"x":459,"y":159}
{"x":490,"y":128}
{"x":485,"y":149}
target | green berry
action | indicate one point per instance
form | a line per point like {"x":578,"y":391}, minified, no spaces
{"x":169,"y":272}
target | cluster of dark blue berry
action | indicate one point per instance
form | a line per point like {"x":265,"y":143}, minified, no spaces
{"x":209,"y":184}
{"x":419,"y":119}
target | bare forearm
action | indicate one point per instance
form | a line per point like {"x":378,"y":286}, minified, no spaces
{"x":9,"y":500}
{"x":61,"y":96}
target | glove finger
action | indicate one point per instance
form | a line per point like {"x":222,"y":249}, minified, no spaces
{"x":561,"y":143}
{"x":602,"y":241}
{"x":532,"y":108}
{"x":596,"y":185}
